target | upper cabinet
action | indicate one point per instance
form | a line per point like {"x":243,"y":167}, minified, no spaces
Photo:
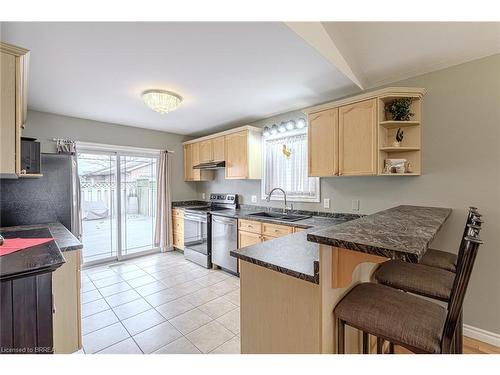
{"x":358,"y":139}
{"x":358,"y":136}
{"x":14,"y":70}
{"x":323,"y":141}
{"x":239,"y":148}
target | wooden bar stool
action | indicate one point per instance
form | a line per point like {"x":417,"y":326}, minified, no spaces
{"x":427,"y":281}
{"x":404,"y":319}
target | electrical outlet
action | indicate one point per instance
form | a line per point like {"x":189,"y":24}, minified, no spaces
{"x":254,"y":199}
{"x":355,"y":205}
{"x":202,"y":195}
{"x":326,"y":203}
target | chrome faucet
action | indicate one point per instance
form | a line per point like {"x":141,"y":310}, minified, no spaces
{"x":268,"y":198}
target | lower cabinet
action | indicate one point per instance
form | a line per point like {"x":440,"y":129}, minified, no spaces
{"x":178,"y":228}
{"x":252,"y":232}
{"x":67,"y":313}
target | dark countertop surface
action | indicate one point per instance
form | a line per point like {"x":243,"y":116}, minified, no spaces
{"x":402,"y":232}
{"x":292,"y":254}
{"x":33,"y":260}
{"x":64,"y":239}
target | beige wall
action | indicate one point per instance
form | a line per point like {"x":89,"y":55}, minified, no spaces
{"x":461,"y":167}
{"x":45,"y":126}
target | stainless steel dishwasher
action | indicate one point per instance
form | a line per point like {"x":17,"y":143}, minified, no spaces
{"x":224,"y":239}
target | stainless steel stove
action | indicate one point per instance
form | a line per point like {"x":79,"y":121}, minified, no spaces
{"x":198,"y":226}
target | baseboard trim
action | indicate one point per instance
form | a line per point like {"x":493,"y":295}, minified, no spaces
{"x":482,"y":335}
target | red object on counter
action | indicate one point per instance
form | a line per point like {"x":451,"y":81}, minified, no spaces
{"x":11,"y":245}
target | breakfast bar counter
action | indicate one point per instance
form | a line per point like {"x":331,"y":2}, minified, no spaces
{"x":283,"y":312}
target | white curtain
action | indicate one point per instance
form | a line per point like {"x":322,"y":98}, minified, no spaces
{"x":65,"y":146}
{"x":163,"y":227}
{"x":285,"y":166}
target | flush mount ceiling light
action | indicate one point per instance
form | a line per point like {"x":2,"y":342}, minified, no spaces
{"x":161,"y":101}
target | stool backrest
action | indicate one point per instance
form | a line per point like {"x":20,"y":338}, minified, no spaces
{"x":460,"y":284}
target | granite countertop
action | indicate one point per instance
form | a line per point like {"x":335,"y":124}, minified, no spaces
{"x":292,"y":254}
{"x":64,"y":239}
{"x":33,"y":260}
{"x":402,"y":232}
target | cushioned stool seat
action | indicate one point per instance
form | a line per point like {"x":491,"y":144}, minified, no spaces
{"x":389,"y":313}
{"x":440,"y":259}
{"x":416,"y":278}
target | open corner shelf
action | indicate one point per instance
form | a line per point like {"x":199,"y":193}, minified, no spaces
{"x":30,"y":175}
{"x":390,"y":124}
{"x":399,"y":174}
{"x":399,"y":149}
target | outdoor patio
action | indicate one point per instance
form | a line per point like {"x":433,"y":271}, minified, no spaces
{"x":100,"y":239}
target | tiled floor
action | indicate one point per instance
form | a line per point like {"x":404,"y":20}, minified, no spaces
{"x":160,"y":304}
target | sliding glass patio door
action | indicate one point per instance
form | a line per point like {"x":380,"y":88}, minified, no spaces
{"x":118,"y":190}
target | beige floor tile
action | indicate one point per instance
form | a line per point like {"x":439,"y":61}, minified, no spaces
{"x":131,"y":308}
{"x":231,"y":321}
{"x":143,"y":321}
{"x":189,"y":321}
{"x":163,"y":296}
{"x":127,"y":346}
{"x":233,"y":297}
{"x":179,"y":346}
{"x":173,"y":308}
{"x":217,"y":307}
{"x":87,"y":286}
{"x":140,"y":281}
{"x":157,"y":337}
{"x":211,"y":279}
{"x":98,"y":340}
{"x":90,"y":296}
{"x":94,"y":307}
{"x":188,"y":287}
{"x":122,"y":298}
{"x":101,"y":283}
{"x":232,"y":346}
{"x":97,"y":321}
{"x":133,"y":274}
{"x":209,"y":336}
{"x":151,"y":288}
{"x":99,"y":274}
{"x":122,"y":268}
{"x":115,"y":288}
{"x":201,"y":296}
{"x":225,"y":286}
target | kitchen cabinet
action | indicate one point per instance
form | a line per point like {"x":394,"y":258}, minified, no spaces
{"x":192,"y":158}
{"x":67,"y":313}
{"x":218,"y":149}
{"x":323,"y":143}
{"x":178,"y":228}
{"x":243,"y":155}
{"x":205,"y":151}
{"x":252,"y":232}
{"x":14,"y":69}
{"x":358,"y":138}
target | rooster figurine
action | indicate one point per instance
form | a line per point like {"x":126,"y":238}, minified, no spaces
{"x":287,"y":152}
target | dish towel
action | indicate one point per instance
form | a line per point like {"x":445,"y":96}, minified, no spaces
{"x":11,"y":245}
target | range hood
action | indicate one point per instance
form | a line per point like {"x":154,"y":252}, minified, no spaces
{"x":211,"y":165}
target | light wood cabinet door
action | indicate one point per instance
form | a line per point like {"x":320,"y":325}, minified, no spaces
{"x":8,"y":115}
{"x":275,"y":230}
{"x":247,"y":239}
{"x":250,"y":226}
{"x":236,"y":151}
{"x":195,"y":155}
{"x":205,"y":151}
{"x":323,"y":143}
{"x":67,"y":315}
{"x":358,"y":138}
{"x":188,"y":162}
{"x":218,"y":149}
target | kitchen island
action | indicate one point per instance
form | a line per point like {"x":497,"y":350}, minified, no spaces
{"x":290,"y":285}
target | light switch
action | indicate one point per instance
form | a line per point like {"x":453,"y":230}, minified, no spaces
{"x":355,"y":204}
{"x":326,"y":203}
{"x":254,"y":199}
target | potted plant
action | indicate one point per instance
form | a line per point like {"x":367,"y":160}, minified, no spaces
{"x":399,"y":109}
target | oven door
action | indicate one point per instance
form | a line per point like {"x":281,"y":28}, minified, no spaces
{"x":195,"y":232}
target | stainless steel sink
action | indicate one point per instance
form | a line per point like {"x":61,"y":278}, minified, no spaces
{"x":278,"y":216}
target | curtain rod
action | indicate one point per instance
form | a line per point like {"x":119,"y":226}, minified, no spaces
{"x":111,"y":146}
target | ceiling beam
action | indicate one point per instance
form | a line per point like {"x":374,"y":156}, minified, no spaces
{"x":315,"y":34}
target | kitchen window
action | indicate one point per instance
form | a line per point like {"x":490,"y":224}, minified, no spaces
{"x":285,"y":166}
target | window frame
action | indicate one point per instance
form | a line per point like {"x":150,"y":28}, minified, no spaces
{"x":280,"y":197}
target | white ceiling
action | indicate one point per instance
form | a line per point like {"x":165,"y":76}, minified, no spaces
{"x":228,"y":73}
